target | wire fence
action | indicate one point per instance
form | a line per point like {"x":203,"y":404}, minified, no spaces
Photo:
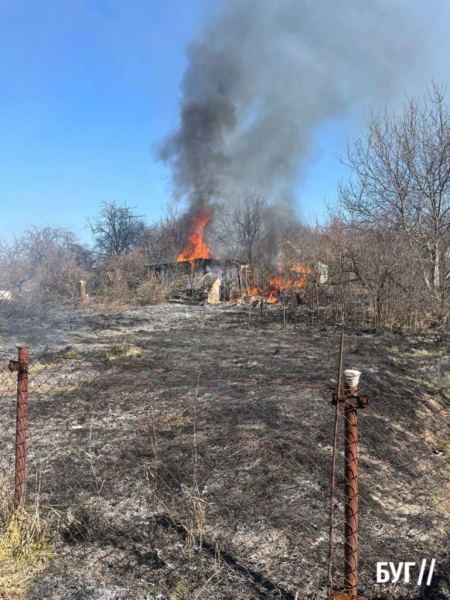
{"x":189,"y":484}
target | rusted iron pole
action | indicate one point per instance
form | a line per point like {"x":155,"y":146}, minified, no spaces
{"x":21,"y":426}
{"x":333,"y":468}
{"x":351,"y":494}
{"x":351,"y":401}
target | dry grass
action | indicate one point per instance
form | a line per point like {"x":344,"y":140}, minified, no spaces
{"x":125,"y":350}
{"x":24,"y":546}
{"x":8,"y":383}
{"x":150,"y":293}
{"x":180,"y":592}
{"x":40,"y":375}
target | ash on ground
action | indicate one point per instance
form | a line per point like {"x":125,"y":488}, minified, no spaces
{"x":185,"y":452}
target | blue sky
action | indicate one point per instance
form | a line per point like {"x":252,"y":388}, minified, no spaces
{"x":87,"y":86}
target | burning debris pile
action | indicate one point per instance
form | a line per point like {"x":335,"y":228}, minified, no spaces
{"x":198,"y":275}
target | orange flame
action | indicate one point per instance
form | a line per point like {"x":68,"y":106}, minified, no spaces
{"x":290,"y":281}
{"x":296,"y":279}
{"x":196,"y":247}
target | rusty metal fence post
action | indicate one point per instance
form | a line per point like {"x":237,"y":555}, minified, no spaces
{"x":333,"y":469}
{"x":351,"y":484}
{"x":21,"y":366}
{"x":351,"y":401}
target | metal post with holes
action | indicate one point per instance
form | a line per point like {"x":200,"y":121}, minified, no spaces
{"x":21,"y":366}
{"x":351,"y":401}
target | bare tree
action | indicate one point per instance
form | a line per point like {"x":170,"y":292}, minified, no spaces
{"x":374,"y":277}
{"x":163,"y":241}
{"x":241,"y":219}
{"x":117,"y":229}
{"x":400,"y":180}
{"x":43,"y":260}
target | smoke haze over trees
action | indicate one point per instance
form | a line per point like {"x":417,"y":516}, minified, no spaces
{"x":263,"y":75}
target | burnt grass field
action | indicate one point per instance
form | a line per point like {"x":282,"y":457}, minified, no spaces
{"x":179,"y":452}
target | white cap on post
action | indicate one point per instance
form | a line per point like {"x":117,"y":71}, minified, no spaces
{"x":351,"y":377}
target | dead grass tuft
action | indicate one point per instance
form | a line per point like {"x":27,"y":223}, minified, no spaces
{"x":125,"y":350}
{"x":24,"y":546}
{"x":180,"y":592}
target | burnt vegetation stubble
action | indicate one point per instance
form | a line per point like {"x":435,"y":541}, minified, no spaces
{"x":218,"y":437}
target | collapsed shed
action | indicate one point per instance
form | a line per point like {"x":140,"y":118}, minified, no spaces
{"x":219,"y":279}
{"x":215,"y":280}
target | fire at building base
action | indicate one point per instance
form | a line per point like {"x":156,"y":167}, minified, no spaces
{"x":196,"y":274}
{"x":213,"y":280}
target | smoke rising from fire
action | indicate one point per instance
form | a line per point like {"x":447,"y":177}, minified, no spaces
{"x":263,"y":74}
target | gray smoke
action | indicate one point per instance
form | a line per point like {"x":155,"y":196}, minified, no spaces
{"x":263,"y":74}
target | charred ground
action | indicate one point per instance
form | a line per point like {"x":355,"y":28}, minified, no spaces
{"x":183,"y":452}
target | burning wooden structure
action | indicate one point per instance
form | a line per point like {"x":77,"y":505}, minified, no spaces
{"x":220,"y":279}
{"x":215,"y":280}
{"x":197,"y":273}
